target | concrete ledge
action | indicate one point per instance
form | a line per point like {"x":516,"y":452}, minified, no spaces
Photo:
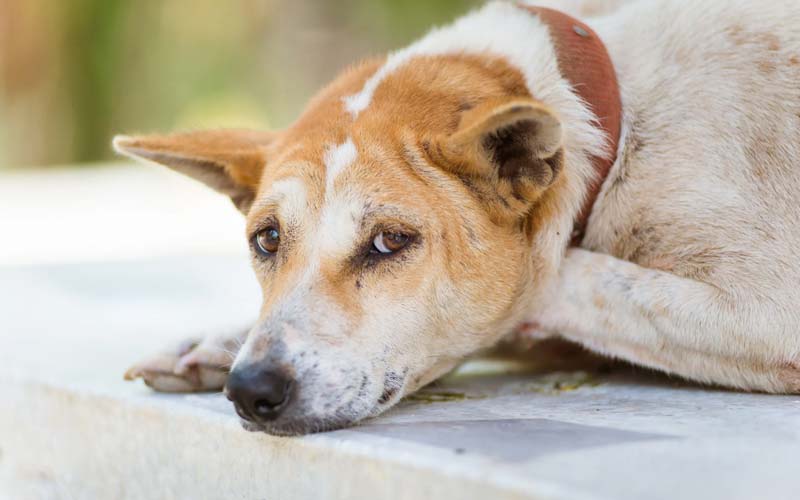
{"x":68,"y":445}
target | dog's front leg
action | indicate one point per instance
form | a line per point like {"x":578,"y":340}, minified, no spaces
{"x":678,"y":325}
{"x":192,"y":365}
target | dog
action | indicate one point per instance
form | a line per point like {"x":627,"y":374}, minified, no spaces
{"x":628,"y":182}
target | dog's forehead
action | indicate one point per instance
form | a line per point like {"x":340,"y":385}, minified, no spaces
{"x":343,"y":174}
{"x":329,"y":197}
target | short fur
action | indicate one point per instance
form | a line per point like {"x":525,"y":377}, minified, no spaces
{"x":471,"y":140}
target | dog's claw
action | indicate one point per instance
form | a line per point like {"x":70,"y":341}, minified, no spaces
{"x":132,"y":374}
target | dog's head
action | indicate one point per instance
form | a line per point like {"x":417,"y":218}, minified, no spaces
{"x":395,"y":228}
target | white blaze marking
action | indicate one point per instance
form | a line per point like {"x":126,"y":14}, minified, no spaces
{"x":336,"y":159}
{"x":292,"y":192}
{"x":357,"y":103}
{"x":338,"y":227}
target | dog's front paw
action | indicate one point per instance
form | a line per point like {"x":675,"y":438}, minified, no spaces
{"x":192,"y":366}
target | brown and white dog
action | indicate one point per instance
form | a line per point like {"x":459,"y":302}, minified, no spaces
{"x":424,"y":204}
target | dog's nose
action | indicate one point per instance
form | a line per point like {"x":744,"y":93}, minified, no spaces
{"x":259,"y":395}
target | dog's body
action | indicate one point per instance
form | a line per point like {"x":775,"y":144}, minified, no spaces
{"x":704,"y":199}
{"x":689,"y":263}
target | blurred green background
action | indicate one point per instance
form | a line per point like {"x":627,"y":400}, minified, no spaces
{"x":75,"y":72}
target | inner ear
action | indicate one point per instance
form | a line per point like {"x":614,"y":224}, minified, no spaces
{"x":509,"y":151}
{"x":520,"y":148}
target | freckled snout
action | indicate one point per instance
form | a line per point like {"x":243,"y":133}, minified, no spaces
{"x":260,"y":394}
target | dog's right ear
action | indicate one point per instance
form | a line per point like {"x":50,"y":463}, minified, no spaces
{"x":509,"y":151}
{"x":230,"y":161}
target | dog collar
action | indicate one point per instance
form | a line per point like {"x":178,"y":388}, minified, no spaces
{"x":584,"y":62}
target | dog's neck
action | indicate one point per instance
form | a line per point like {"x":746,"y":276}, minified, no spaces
{"x":585,"y":63}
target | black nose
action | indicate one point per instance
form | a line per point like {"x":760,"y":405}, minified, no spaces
{"x":259,"y":394}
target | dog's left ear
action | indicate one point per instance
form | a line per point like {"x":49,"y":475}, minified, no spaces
{"x":230,"y":161}
{"x":508,"y":151}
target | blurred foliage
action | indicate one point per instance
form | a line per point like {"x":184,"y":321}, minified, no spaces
{"x":75,"y":72}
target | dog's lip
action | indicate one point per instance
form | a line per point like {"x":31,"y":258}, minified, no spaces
{"x":300,"y":428}
{"x":251,"y":426}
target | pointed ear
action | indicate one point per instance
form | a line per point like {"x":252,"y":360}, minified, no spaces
{"x":509,"y":151}
{"x":230,"y":161}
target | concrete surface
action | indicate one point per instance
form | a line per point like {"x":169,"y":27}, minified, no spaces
{"x":71,"y":428}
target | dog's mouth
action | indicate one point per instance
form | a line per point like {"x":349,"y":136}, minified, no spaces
{"x":345,"y":416}
{"x":302,"y":426}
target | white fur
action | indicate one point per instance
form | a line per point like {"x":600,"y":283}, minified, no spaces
{"x":338,"y":226}
{"x":337,"y":159}
{"x":291,"y":196}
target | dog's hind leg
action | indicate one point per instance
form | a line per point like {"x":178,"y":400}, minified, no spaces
{"x":675,"y":324}
{"x":191,"y":366}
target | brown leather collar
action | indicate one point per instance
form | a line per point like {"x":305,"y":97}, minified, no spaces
{"x":585,"y":63}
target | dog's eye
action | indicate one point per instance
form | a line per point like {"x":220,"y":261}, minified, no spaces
{"x":267,"y":241}
{"x":387,"y":243}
